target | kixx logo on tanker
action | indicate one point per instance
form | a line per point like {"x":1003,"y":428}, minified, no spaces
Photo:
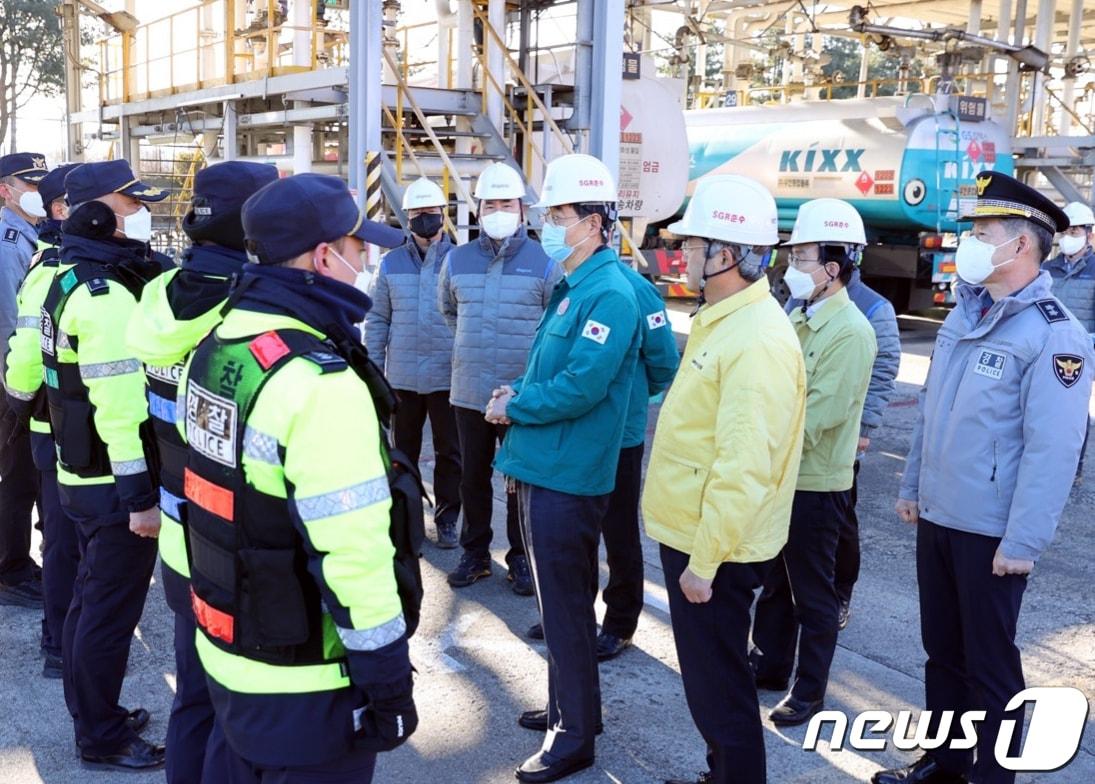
{"x":820,"y":159}
{"x":1052,"y":739}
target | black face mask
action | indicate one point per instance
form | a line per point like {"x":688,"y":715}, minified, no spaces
{"x":426,"y":225}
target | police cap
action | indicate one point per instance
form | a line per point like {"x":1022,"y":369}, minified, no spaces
{"x":52,"y":186}
{"x":1001,"y":196}
{"x":223,"y":187}
{"x":91,"y":180}
{"x":27,"y":166}
{"x":293,"y":215}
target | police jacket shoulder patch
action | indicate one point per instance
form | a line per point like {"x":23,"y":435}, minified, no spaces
{"x":1051,"y":310}
{"x":11,"y":235}
{"x":326,"y":361}
{"x":98,"y":287}
{"x":1068,"y":368}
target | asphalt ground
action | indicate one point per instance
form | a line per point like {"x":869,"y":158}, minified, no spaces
{"x":477,"y":671}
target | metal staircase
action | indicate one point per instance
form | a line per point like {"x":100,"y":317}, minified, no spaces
{"x":1066,"y":163}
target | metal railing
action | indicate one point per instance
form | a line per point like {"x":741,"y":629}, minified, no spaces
{"x":202,"y":46}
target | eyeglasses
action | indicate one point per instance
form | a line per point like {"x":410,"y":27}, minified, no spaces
{"x":552,"y":220}
{"x":798,"y":262}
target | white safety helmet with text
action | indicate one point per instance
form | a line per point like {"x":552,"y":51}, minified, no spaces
{"x":828,"y":222}
{"x":499,"y":181}
{"x":422,"y":194}
{"x":730,"y":208}
{"x":577,"y":179}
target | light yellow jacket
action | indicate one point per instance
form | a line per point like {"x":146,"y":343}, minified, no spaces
{"x":839,"y":347}
{"x":725,"y":460}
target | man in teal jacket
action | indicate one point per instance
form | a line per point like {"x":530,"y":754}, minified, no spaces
{"x":568,"y":414}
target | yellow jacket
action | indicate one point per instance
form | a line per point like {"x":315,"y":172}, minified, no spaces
{"x":722,"y":472}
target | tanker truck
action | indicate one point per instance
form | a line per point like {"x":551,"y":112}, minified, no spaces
{"x":908,"y":164}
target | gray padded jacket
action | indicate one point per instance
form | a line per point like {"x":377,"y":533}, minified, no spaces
{"x":404,"y":333}
{"x":493,"y":298}
{"x":1074,"y":285}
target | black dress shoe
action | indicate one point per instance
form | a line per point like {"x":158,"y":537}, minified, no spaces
{"x":537,"y":721}
{"x":535,"y":632}
{"x":705,"y":778}
{"x":843,"y":614}
{"x":609,"y":646}
{"x":543,"y":767}
{"x":26,"y":594}
{"x":136,"y":755}
{"x":137,"y":719}
{"x":791,"y":711}
{"x":51,"y":667}
{"x":924,"y":771}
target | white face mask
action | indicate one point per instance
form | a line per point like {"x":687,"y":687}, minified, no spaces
{"x":30,"y":202}
{"x":362,"y":280}
{"x":1070,"y":245}
{"x":801,"y":284}
{"x":973,"y":259}
{"x":500,"y":225}
{"x":137,"y":226}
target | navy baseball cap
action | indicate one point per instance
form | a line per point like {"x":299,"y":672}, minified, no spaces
{"x":222,"y":188}
{"x":52,"y":186}
{"x":27,"y":166}
{"x":91,"y":180}
{"x":293,"y":215}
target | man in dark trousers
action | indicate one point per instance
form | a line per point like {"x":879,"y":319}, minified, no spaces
{"x":998,"y":433}
{"x":20,"y":580}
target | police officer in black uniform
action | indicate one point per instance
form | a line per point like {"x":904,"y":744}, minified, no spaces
{"x":27,"y":398}
{"x":176,"y":311}
{"x":22,"y":209}
{"x":105,"y":450}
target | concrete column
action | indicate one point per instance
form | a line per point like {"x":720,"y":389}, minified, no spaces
{"x":973,"y":26}
{"x":496,"y":15}
{"x":300,"y":14}
{"x":465,"y":39}
{"x":608,"y":55}
{"x":1043,"y":37}
{"x":230,"y":141}
{"x":365,"y":89}
{"x":1003,"y":31}
{"x":1071,"y":50}
{"x":864,"y":72}
{"x":1012,"y":87}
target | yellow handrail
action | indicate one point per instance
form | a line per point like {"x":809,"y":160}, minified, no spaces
{"x":1068,"y":109}
{"x":515,"y":69}
{"x":409,"y":96}
{"x":402,"y":141}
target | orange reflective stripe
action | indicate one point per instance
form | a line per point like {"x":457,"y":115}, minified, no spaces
{"x":210,"y":497}
{"x":216,"y":623}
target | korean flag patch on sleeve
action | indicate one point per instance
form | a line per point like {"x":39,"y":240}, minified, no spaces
{"x":595,"y":331}
{"x":655,"y":320}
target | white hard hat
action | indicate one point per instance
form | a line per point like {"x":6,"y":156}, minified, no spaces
{"x":828,"y":221}
{"x":421,"y":194}
{"x":1079,"y":214}
{"x":499,"y":181}
{"x":577,"y":179}
{"x":730,"y":208}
